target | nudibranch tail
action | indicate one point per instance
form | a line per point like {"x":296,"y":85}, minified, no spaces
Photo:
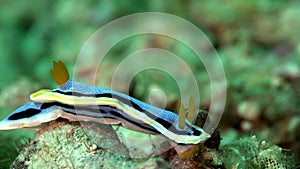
{"x":60,"y":73}
{"x":29,"y":115}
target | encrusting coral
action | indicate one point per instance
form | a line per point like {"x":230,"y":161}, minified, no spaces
{"x":251,"y":153}
{"x":62,"y":144}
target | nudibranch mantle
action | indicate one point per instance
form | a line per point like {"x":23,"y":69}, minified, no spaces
{"x":81,"y":102}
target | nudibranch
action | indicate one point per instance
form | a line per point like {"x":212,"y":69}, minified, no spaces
{"x":80,"y":102}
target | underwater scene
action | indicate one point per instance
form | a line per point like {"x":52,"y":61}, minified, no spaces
{"x":138,"y":84}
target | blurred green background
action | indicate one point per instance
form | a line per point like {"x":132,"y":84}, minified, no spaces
{"x":258,"y":42}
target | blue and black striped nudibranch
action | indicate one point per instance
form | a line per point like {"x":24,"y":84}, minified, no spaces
{"x":77,"y":101}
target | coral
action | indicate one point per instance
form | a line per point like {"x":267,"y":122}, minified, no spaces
{"x":251,"y":153}
{"x":68,"y":145}
{"x":179,"y":163}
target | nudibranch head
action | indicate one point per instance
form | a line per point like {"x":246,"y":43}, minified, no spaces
{"x":190,"y":134}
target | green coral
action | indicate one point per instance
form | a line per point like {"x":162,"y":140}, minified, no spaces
{"x":68,"y":145}
{"x":248,"y":153}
